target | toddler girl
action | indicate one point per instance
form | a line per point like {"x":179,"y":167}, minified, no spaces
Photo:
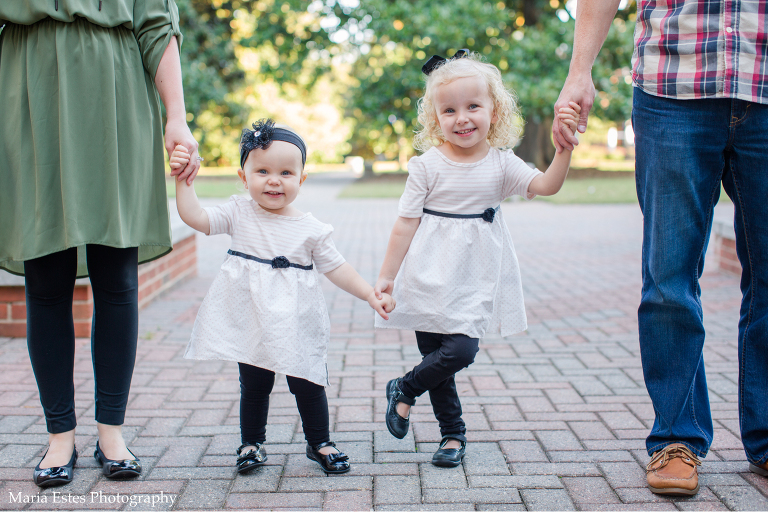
{"x":265,"y":309}
{"x":450,"y":258}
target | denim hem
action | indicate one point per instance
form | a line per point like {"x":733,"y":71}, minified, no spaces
{"x":761,"y":460}
{"x":659,"y":447}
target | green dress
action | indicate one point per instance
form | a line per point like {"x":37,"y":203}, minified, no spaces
{"x":81,"y":143}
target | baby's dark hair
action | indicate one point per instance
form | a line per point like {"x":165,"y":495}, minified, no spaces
{"x":263,"y":133}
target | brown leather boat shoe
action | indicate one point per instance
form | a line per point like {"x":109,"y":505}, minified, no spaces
{"x":672,"y":471}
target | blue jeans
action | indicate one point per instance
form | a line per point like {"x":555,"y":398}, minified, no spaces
{"x":685,"y":149}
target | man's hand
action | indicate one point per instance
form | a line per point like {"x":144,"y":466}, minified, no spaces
{"x":578,"y":89}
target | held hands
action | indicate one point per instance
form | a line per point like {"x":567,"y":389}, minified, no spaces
{"x":579,"y":89}
{"x":569,"y":118}
{"x":383,"y":304}
{"x":177,"y":134}
{"x":383,"y":285}
{"x":179,"y":158}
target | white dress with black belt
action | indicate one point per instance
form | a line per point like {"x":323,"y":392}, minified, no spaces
{"x":460,"y":275}
{"x":265,"y":313}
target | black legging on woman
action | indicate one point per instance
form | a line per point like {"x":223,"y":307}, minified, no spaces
{"x":256,"y":385}
{"x":50,"y":283}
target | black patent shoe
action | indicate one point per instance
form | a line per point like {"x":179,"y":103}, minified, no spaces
{"x":253,"y":458}
{"x":449,"y":457}
{"x":331,"y":463}
{"x":396,"y":424}
{"x":57,"y":475}
{"x":128,"y":468}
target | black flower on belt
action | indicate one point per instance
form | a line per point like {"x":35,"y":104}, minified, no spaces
{"x":488,"y":214}
{"x":280,"y":262}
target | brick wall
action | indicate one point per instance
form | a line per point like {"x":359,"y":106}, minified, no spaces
{"x":725,"y":246}
{"x":155,"y":278}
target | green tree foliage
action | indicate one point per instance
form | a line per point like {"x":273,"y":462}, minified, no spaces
{"x":526,"y":39}
{"x":380,"y":45}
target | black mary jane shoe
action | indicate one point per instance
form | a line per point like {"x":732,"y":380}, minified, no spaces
{"x":449,"y":457}
{"x":251,"y":459}
{"x":117,"y":469}
{"x":57,"y":475}
{"x":396,"y":424}
{"x":331,"y":463}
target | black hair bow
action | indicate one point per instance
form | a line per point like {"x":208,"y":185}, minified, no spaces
{"x":436,"y":61}
{"x":258,"y":138}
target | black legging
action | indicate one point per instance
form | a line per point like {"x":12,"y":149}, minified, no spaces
{"x":444,"y":355}
{"x":50,"y":283}
{"x":255,"y":387}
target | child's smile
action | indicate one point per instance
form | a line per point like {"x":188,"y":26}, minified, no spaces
{"x":273,"y":176}
{"x":465,"y":112}
{"x":466,"y":133}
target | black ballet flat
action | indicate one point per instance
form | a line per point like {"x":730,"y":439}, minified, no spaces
{"x":251,"y":459}
{"x":396,"y":424}
{"x":334,"y":463}
{"x":117,"y":469}
{"x":57,"y":475}
{"x":449,"y":457}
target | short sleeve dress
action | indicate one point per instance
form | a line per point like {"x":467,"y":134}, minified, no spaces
{"x":81,"y":143}
{"x":460,"y":275}
{"x":273,"y":318}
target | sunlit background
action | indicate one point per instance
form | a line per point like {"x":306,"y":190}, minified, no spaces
{"x":347,"y":75}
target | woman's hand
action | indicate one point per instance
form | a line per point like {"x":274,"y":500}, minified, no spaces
{"x":177,"y":133}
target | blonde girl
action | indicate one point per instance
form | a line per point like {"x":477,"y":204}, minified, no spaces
{"x":450,"y":262}
{"x":265,"y":310}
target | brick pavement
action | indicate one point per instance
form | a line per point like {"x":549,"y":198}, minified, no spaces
{"x":557,"y":416}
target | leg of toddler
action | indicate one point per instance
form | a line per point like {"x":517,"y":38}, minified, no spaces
{"x":255,"y":386}
{"x":444,"y":356}
{"x":313,"y":408}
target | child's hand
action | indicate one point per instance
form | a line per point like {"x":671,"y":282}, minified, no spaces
{"x":383,"y":285}
{"x":179,"y":158}
{"x":569,"y":118}
{"x":383,"y":305}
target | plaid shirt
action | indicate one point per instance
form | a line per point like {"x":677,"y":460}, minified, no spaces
{"x":691,"y":49}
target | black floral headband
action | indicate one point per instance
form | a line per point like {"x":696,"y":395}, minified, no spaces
{"x":262,"y":135}
{"x":436,"y":61}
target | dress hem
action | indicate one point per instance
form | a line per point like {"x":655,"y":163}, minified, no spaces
{"x":435,"y":331}
{"x":141,"y":262}
{"x":196,"y":358}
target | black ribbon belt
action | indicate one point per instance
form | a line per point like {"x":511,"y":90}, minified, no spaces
{"x":487,"y":215}
{"x":279,"y":262}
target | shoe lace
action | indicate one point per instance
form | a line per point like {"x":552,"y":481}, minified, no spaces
{"x":667,"y":454}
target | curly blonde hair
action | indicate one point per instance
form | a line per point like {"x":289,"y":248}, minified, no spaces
{"x":504,"y":133}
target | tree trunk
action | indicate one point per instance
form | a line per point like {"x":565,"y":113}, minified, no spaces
{"x":368,"y":169}
{"x":536,"y":146}
{"x":531,"y":11}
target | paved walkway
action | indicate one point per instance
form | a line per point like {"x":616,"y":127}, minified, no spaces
{"x":557,"y":416}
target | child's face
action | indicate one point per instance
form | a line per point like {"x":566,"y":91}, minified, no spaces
{"x":273,"y":176}
{"x":465,"y":112}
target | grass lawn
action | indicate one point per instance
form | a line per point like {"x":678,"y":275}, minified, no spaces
{"x":581,"y":187}
{"x":596,"y":191}
{"x":209,"y":187}
{"x":381,"y":186}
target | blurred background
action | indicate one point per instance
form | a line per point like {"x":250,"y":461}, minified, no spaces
{"x":346,"y":74}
